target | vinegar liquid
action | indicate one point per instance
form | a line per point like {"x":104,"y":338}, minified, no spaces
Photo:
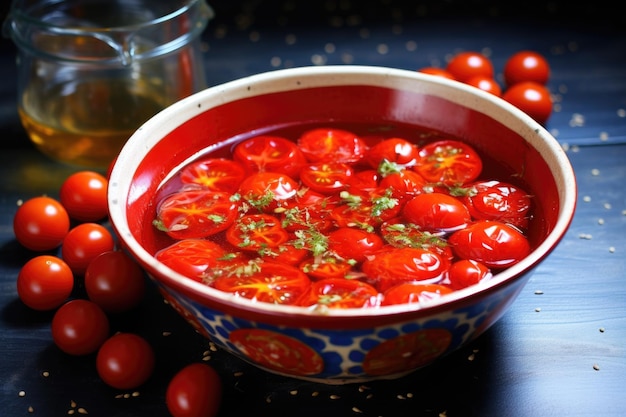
{"x":86,"y":122}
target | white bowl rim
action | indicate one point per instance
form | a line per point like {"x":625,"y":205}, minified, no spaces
{"x":313,"y":76}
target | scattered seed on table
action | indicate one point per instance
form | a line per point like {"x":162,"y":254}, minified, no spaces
{"x":356,"y":410}
{"x":612,"y":249}
{"x":586,"y":236}
{"x":31,"y":409}
{"x":538,"y":309}
{"x":600,"y":221}
{"x":45,"y":374}
{"x":167,"y":333}
{"x":293,"y":392}
{"x":596,"y":367}
{"x":608,"y":206}
{"x":315,"y":393}
{"x":21,"y":394}
{"x":334,"y":397}
{"x":601,"y":329}
{"x":538,"y":292}
{"x":586,"y":199}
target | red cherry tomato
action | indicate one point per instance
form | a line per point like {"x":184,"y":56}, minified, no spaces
{"x":440,"y":72}
{"x":532,"y":98}
{"x":449,"y":162}
{"x":80,"y":327}
{"x":340,"y":293}
{"x":270,"y":154}
{"x":487,"y":84}
{"x":44,"y":282}
{"x":436,"y":212}
{"x":322,"y":267}
{"x":396,"y":150}
{"x":308,"y":209}
{"x":366,"y":209}
{"x":125,"y":361}
{"x":253,"y":232}
{"x":192,"y":214}
{"x":326,"y":177}
{"x":114,"y":281}
{"x":400,"y":234}
{"x":467,"y":272}
{"x":411,"y":292}
{"x":490,"y":242}
{"x":41,"y":223}
{"x":332,"y":145}
{"x":466,"y":65}
{"x":195,"y":391}
{"x":526,"y":66}
{"x":404,"y":184}
{"x":353,"y":244}
{"x":84,"y":196}
{"x":266,"y":191}
{"x":215,"y":174}
{"x":83,"y":244}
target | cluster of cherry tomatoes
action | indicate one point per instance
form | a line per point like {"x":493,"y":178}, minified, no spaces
{"x":113,"y":283}
{"x":333,"y":219}
{"x":526,"y":74}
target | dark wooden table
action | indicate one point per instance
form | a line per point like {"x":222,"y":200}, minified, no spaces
{"x":559,"y":351}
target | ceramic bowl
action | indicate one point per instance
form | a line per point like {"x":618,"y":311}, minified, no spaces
{"x":341,"y":345}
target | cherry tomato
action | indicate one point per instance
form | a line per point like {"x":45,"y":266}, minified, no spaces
{"x":436,"y":212}
{"x":268,"y":190}
{"x":215,"y":174}
{"x":411,"y":292}
{"x":44,"y":282}
{"x":404,"y":184}
{"x":84,"y":196}
{"x":332,"y":145}
{"x":322,"y":267}
{"x":532,"y":98}
{"x":83,"y":244}
{"x":487,"y":84}
{"x":125,"y":361}
{"x":396,"y":150}
{"x":340,"y":293}
{"x":266,"y":282}
{"x":80,"y":327}
{"x":326,"y":177}
{"x":400,"y":234}
{"x":467,"y":272}
{"x":115,"y":282}
{"x":353,"y":244}
{"x":366,"y":180}
{"x":308,"y":209}
{"x":195,"y":391}
{"x":41,"y":223}
{"x":466,"y":65}
{"x":270,"y":154}
{"x":253,"y":232}
{"x":498,"y":200}
{"x":365,"y":210}
{"x":393,"y":266}
{"x":490,"y":242}
{"x":450,"y":162}
{"x":526,"y":66}
{"x":440,"y":72}
{"x":196,"y":213}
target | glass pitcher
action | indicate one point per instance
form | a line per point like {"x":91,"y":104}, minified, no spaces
{"x":92,"y":71}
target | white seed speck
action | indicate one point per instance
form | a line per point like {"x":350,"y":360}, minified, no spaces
{"x":81,"y":410}
{"x":334,"y":397}
{"x":315,"y":393}
{"x":167,"y":334}
{"x":611,"y":249}
{"x":585,"y":236}
{"x":382,"y":49}
{"x":45,"y":374}
{"x":31,"y":409}
{"x":601,"y":329}
{"x":347,"y":58}
{"x":538,"y":292}
{"x":293,"y":392}
{"x":621,"y":113}
{"x":595,"y":172}
{"x":238,"y":373}
{"x":596,"y":367}
{"x":538,"y":309}
{"x":400,"y":397}
{"x":356,"y":410}
{"x":586,"y":199}
{"x":608,"y":206}
{"x":369,"y":396}
{"x":317,"y":59}
{"x":135,"y":394}
{"x":409,"y":395}
{"x":275,"y":62}
{"x":604,"y":136}
{"x":623,"y":212}
{"x":471,"y":357}
{"x":600,"y":221}
{"x":21,"y":394}
{"x":577,"y":120}
{"x":443,"y":414}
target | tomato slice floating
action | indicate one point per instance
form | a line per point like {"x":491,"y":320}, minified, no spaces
{"x":340,"y":293}
{"x":266,"y":282}
{"x":326,"y":177}
{"x":253,"y":232}
{"x":400,"y":234}
{"x":307,"y":210}
{"x":266,"y":191}
{"x":268,"y":153}
{"x":396,"y":150}
{"x":365,"y":210}
{"x":332,"y":145}
{"x":215,"y":174}
{"x":450,"y":162}
{"x":196,"y":213}
{"x":322,"y":267}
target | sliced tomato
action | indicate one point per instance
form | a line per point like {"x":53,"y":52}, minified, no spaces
{"x":332,"y":145}
{"x":254,"y":232}
{"x":393,"y":266}
{"x":308,"y":209}
{"x":265,"y":282}
{"x":326,"y":177}
{"x":322,"y":267}
{"x":267,"y":153}
{"x":404,"y":184}
{"x":365,"y":180}
{"x":396,"y":150}
{"x":450,"y":162}
{"x":411,"y":292}
{"x":196,"y":213}
{"x":268,"y":190}
{"x":353,"y":244}
{"x":436,"y":212}
{"x":286,"y":253}
{"x":401,"y":234}
{"x":365,"y":210}
{"x":340,"y":293}
{"x":216,"y":174}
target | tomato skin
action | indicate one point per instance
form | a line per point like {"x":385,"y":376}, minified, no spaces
{"x":411,"y":292}
{"x":532,"y":98}
{"x":397,"y":150}
{"x":436,"y":212}
{"x":191,"y":214}
{"x":449,"y":162}
{"x":253,"y":232}
{"x":404,"y":184}
{"x":41,"y":223}
{"x":526,"y":66}
{"x":389,"y":267}
{"x":125,"y":361}
{"x":115,"y":282}
{"x":467,"y":272}
{"x":353,"y":244}
{"x":44,"y":282}
{"x":487,"y":84}
{"x":332,"y":145}
{"x":440,"y":72}
{"x":83,"y":244}
{"x":267,"y":153}
{"x":80,"y":327}
{"x":340,"y":293}
{"x":326,"y":177}
{"x":498,"y":200}
{"x":266,"y":191}
{"x":84,"y":196}
{"x":324,"y":267}
{"x":215,"y":174}
{"x":465,"y":65}
{"x":195,"y":391}
{"x":495,"y":244}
